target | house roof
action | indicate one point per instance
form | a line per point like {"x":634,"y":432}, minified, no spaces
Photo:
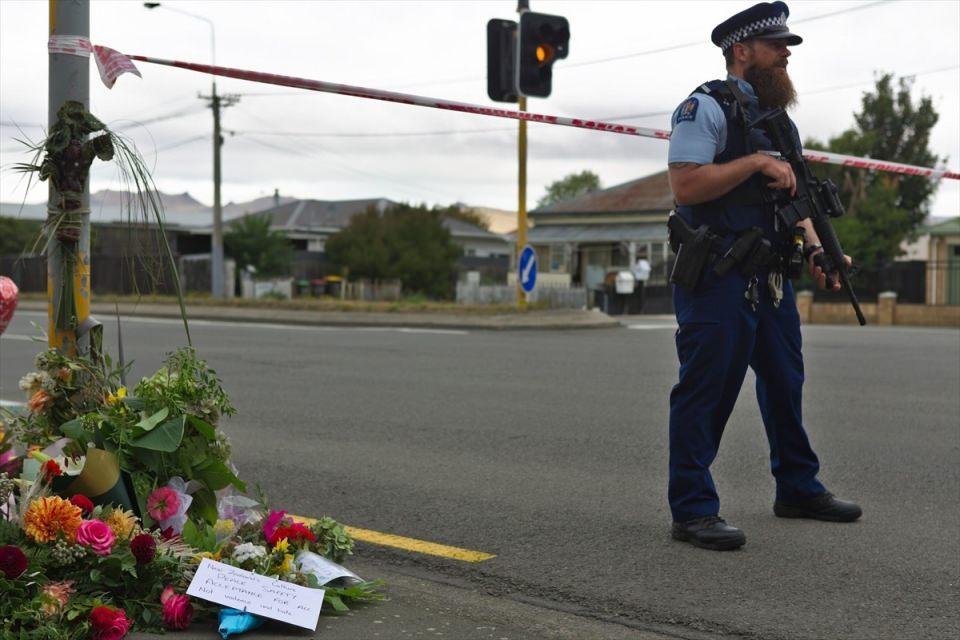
{"x":630,"y":232}
{"x":949,"y":227}
{"x":332,"y":215}
{"x":305,"y":215}
{"x":647,"y":194}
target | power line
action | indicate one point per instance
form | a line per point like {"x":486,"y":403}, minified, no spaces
{"x":645,"y":52}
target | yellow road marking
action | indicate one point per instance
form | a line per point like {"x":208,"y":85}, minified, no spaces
{"x":410,"y":544}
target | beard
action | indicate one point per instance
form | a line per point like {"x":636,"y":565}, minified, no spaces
{"x":773,"y":87}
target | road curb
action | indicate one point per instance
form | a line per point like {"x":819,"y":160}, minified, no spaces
{"x":565,"y":319}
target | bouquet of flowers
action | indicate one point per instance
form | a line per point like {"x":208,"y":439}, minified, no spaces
{"x":118,"y":497}
{"x":70,"y":570}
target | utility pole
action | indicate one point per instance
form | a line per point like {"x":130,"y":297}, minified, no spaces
{"x":217,"y":268}
{"x":68,"y":79}
{"x":522,"y":5}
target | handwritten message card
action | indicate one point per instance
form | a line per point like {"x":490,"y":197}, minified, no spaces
{"x":256,"y":594}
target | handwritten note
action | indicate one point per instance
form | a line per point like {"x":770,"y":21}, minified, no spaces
{"x":256,"y":594}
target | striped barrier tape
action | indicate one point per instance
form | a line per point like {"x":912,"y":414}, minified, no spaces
{"x":68,"y":42}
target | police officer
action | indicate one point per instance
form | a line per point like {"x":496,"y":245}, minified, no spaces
{"x":747,"y":316}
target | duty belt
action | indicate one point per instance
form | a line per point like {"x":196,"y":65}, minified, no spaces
{"x":749,"y":249}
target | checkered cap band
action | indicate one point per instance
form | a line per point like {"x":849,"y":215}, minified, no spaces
{"x":752,"y":29}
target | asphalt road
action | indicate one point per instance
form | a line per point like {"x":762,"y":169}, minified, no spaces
{"x":548,"y":449}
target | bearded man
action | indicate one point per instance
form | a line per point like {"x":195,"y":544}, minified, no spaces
{"x":734,"y":306}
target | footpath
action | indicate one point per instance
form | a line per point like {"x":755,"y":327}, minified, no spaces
{"x":418,"y":607}
{"x":558,"y":319}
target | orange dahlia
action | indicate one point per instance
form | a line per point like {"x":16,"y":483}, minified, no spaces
{"x":39,"y":401}
{"x":50,"y":516}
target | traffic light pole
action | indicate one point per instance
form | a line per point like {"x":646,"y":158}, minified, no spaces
{"x":522,"y":5}
{"x":521,"y":200}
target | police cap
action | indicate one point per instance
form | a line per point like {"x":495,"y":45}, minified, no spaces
{"x":767,"y":20}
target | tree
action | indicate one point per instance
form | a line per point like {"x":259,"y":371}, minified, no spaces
{"x":405,"y":242}
{"x":18,"y":236}
{"x":883,"y":208}
{"x":250,"y":241}
{"x":571,"y":186}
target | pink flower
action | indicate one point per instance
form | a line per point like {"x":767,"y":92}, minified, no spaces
{"x":167,"y":594}
{"x":177,"y":610}
{"x":163,"y":503}
{"x":272,"y":523}
{"x":97,"y":535}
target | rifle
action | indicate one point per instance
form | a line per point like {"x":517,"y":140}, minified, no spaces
{"x":817,"y":200}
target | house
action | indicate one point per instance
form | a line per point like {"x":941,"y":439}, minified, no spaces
{"x":310,"y":223}
{"x":580,"y":240}
{"x":943,"y":262}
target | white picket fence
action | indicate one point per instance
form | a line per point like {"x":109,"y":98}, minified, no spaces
{"x":555,"y":297}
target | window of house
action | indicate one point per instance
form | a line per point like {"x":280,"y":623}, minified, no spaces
{"x":559,"y":258}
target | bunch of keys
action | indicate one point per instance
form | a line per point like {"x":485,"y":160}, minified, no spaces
{"x":775,"y":284}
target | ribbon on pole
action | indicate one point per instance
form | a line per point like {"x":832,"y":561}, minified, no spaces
{"x":110,"y":62}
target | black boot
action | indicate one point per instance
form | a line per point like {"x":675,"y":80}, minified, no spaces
{"x":711,"y":532}
{"x":823,"y":507}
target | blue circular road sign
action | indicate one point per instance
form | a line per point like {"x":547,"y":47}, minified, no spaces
{"x":527,"y":268}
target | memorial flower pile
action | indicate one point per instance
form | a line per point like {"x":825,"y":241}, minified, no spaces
{"x":111,"y":496}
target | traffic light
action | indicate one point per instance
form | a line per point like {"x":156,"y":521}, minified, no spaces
{"x":502,"y":60}
{"x":542,"y":40}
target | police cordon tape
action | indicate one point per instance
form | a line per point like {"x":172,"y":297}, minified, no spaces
{"x":465,"y":107}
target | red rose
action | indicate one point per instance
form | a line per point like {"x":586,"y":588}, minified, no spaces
{"x":51,"y":470}
{"x":177,"y":612}
{"x":144,"y":548}
{"x":13,"y":562}
{"x":108,"y":623}
{"x":82,"y":501}
{"x":292,"y":532}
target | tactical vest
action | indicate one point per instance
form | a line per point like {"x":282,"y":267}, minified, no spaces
{"x":742,"y":207}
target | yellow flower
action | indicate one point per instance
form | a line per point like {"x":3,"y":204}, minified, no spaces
{"x":282,"y":546}
{"x":223,"y":528}
{"x":206,"y":554}
{"x":287,"y":565}
{"x":115,"y":398}
{"x":122,"y":523}
{"x":48,"y":517}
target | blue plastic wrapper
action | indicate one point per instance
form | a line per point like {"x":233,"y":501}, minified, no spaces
{"x":234,"y":622}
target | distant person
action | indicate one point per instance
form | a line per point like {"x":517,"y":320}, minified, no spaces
{"x":748,"y":316}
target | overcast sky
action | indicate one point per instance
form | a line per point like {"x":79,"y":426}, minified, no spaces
{"x":439,"y":49}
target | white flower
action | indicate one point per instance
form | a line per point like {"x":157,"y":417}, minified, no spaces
{"x":248,"y":551}
{"x":30,"y":381}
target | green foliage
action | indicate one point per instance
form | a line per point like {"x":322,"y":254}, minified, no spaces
{"x":250,"y":241}
{"x":167,"y":428}
{"x":570,"y":186}
{"x":406,"y":242}
{"x":18,"y":236}
{"x":883,"y":208}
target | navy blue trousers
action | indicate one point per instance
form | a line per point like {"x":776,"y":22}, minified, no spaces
{"x":720,"y":335}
